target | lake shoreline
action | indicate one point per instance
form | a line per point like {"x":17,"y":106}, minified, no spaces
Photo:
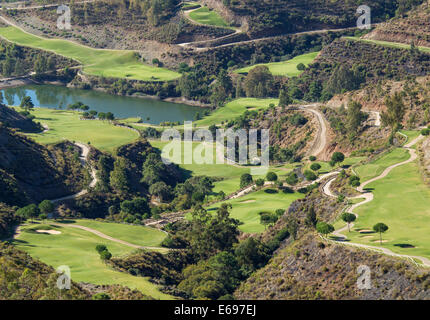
{"x":57,"y":95}
{"x":28,"y":80}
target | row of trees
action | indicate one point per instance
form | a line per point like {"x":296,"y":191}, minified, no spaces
{"x":33,"y":211}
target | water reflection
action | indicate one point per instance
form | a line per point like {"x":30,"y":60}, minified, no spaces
{"x":56,"y":97}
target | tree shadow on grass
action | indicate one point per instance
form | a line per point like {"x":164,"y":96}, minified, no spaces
{"x":404,"y":245}
{"x":65,"y":221}
{"x":271,"y":191}
{"x":339,"y":239}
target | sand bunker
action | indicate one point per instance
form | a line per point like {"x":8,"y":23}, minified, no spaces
{"x":49,"y":231}
{"x":248,"y":201}
{"x":380,"y":241}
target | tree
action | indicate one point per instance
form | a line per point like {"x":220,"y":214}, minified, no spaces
{"x":284,"y":98}
{"x":311,"y":218}
{"x":26,"y":103}
{"x":271,"y":176}
{"x":251,"y":255}
{"x":258,"y":82}
{"x":337,"y":157}
{"x":259,"y":182}
{"x":267,"y":218}
{"x":355,"y":118}
{"x":105,"y":255}
{"x":46,"y":207}
{"x":118,"y":177}
{"x":209,"y":234}
{"x":324,"y":228}
{"x":100,"y":248}
{"x":101,"y":296}
{"x":245,"y":180}
{"x":395,"y":113}
{"x":354,"y":181}
{"x":161,"y":190}
{"x":380,"y":228}
{"x":301,"y":67}
{"x":28,"y":212}
{"x":348,"y":218}
{"x":292,"y":178}
{"x":309,"y":175}
{"x":212,"y":278}
{"x":315,"y":166}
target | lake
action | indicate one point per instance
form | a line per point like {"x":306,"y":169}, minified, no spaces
{"x":58,"y":97}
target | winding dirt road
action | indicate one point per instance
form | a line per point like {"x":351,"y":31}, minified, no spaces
{"x":320,"y":141}
{"x":368,"y":197}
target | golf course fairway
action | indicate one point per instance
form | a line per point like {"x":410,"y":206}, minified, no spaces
{"x":99,"y":62}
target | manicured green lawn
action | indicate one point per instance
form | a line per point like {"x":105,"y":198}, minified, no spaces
{"x":247,"y":208}
{"x":285,"y":68}
{"x":139,"y":235}
{"x":234,"y":109}
{"x":230,"y":174}
{"x":107,"y":63}
{"x":411,"y":134}
{"x":187,"y":5}
{"x":67,"y":125}
{"x":76,"y":248}
{"x":374,"y":169}
{"x":209,"y":17}
{"x":401,"y":201}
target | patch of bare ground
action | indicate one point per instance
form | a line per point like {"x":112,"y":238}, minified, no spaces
{"x":310,"y":268}
{"x":424,"y":156}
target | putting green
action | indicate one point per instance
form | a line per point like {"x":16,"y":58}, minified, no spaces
{"x":99,"y":62}
{"x":76,"y":248}
{"x":67,"y":125}
{"x":285,"y":68}
{"x":209,"y":17}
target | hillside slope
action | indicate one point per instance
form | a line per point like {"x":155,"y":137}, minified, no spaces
{"x":313,"y":269}
{"x":414,"y":26}
{"x":31,"y":173}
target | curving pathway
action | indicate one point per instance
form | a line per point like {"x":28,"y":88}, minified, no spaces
{"x":104,"y":236}
{"x":368,"y":196}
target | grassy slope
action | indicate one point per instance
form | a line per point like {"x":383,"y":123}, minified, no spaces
{"x":107,"y":63}
{"x":230,"y":174}
{"x":66,"y":125}
{"x":388,"y":44}
{"x":247,"y":208}
{"x":374,"y":169}
{"x":209,"y":17}
{"x":139,"y":235}
{"x":402,"y":202}
{"x":234,"y":109}
{"x":285,"y":68}
{"x":76,"y":249}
